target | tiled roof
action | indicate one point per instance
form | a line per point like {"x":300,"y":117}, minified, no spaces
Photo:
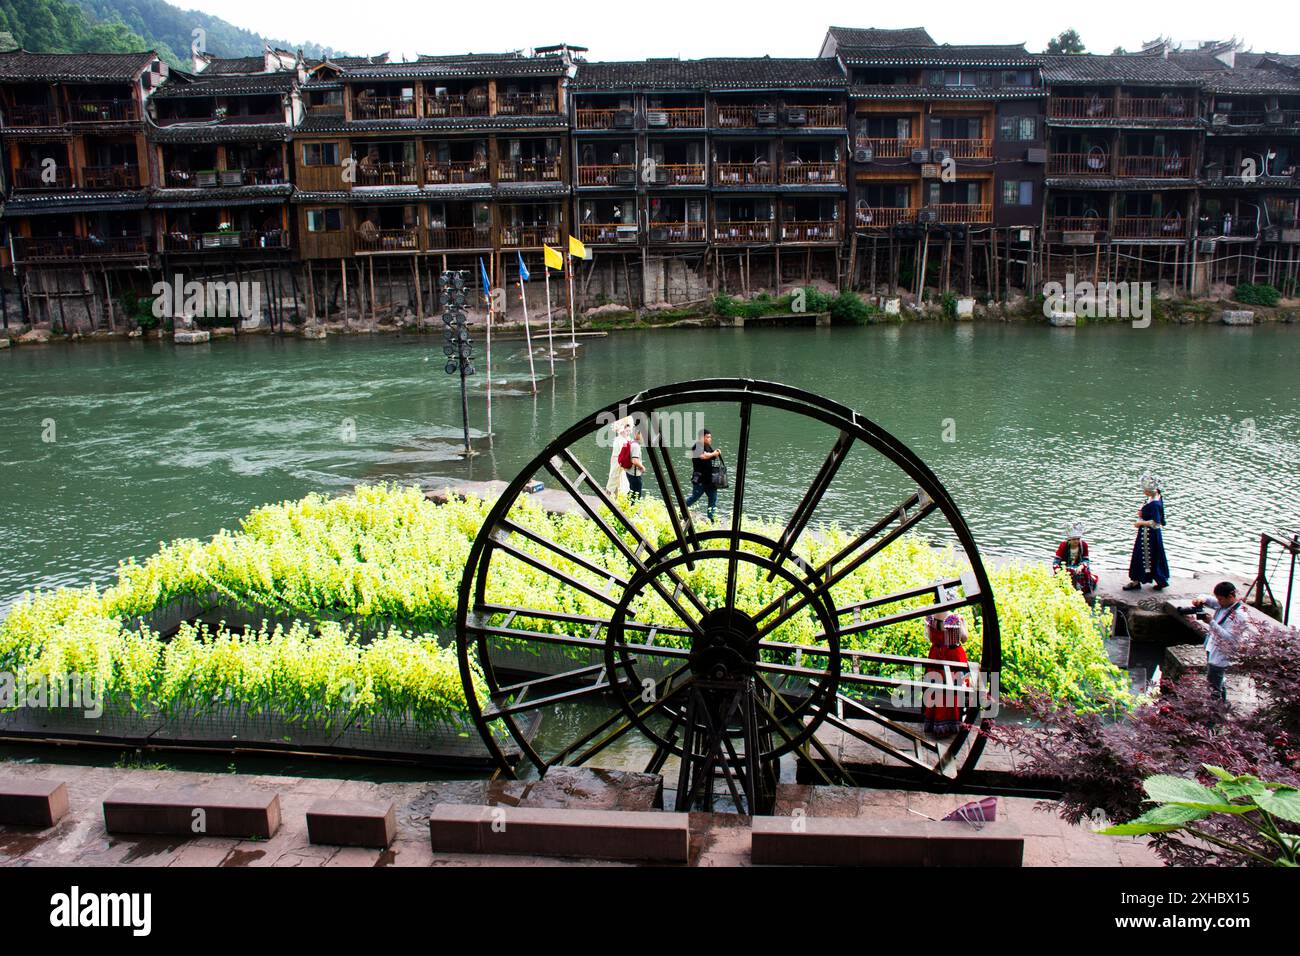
{"x":226,"y":84}
{"x":74,"y":67}
{"x":219,"y":133}
{"x":1117,"y":182}
{"x":470,"y":66}
{"x":873,"y":38}
{"x":80,"y":201}
{"x":1114,"y":68}
{"x":1252,"y":80}
{"x":720,"y":73}
{"x":1007,"y":54}
{"x":915,"y":91}
{"x":235,"y":64}
{"x":336,"y":124}
{"x":247,"y":195}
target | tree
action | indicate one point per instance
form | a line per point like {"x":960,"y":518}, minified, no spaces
{"x":1067,"y":41}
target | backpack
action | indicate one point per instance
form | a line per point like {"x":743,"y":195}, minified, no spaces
{"x":719,"y":473}
{"x":625,"y":456}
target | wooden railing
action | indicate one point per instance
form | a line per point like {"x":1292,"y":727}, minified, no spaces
{"x":387,"y":240}
{"x":231,"y":239}
{"x":599,"y":232}
{"x":1155,"y":167}
{"x":456,"y":104}
{"x":800,"y":173}
{"x":1239,"y":227}
{"x":965,"y":148}
{"x":528,"y":170}
{"x":77,"y":247}
{"x":882,"y":148}
{"x":1079,"y":164}
{"x":822,"y":117}
{"x":743,"y":174}
{"x":22,"y":115}
{"x":959,"y":212}
{"x":1150,"y":227}
{"x":588,"y":118}
{"x":743,"y":117}
{"x":882,"y":217}
{"x":1081,"y":107}
{"x":524,"y":236}
{"x":623,"y":174}
{"x":677,"y":232}
{"x":810,"y":231}
{"x":679,"y":117}
{"x":60,"y":177}
{"x":383,"y":107}
{"x":1077,"y":224}
{"x":102,"y":111}
{"x":1156,"y":107}
{"x":742,"y":231}
{"x":679,"y":174}
{"x":460,"y":237}
{"x":386,"y":174}
{"x":110,"y":177}
{"x":437,"y":174}
{"x":208,"y":178}
{"x":525,"y":104}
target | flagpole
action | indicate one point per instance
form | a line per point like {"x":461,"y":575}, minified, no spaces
{"x":550,"y":333}
{"x":528,"y":336}
{"x":573,"y":334}
{"x":488,"y":292}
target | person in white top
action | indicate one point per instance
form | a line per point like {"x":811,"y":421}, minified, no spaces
{"x":619,"y":433}
{"x":1226,"y":626}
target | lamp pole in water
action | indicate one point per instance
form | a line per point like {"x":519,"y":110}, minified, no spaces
{"x":457,"y":346}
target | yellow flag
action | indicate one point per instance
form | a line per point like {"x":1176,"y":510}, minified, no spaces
{"x":552,"y":258}
{"x":577,"y":249}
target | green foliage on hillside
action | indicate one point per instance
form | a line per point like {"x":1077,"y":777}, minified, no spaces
{"x":55,"y":26}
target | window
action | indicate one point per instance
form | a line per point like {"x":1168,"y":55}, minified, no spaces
{"x":1018,"y":129}
{"x":1017,"y":192}
{"x":1018,"y":78}
{"x":320,"y":154}
{"x":324,"y":220}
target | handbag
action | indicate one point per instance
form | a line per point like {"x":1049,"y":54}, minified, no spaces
{"x":719,"y":473}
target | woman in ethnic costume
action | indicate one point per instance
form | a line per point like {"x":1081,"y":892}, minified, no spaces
{"x":1072,"y":554}
{"x":941,"y":709}
{"x":1149,"y":563}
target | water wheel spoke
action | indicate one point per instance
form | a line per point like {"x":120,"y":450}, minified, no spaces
{"x":738,"y":501}
{"x":909,"y":614}
{"x":790,"y":739}
{"x":566,"y":617}
{"x":532,"y":560}
{"x":803,"y":512}
{"x":866,"y":680}
{"x":509,"y":527}
{"x":569,"y":640}
{"x":866,"y":738}
{"x":670,"y":488}
{"x":628,"y":723}
{"x":525,"y":704}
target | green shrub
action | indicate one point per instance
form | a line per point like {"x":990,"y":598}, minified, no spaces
{"x":849,"y":308}
{"x":1249,"y":293}
{"x":814,"y":300}
{"x":139,"y":310}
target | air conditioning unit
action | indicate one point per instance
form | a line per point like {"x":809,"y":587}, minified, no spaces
{"x":656,"y":118}
{"x":624,"y":119}
{"x":931,"y":170}
{"x":797,"y":116}
{"x":1290,"y":236}
{"x":626,"y":233}
{"x":661,"y":177}
{"x":765,"y":117}
{"x":1219,"y":119}
{"x":1273,"y":117}
{"x":659,"y":234}
{"x":927,"y":216}
{"x":1274,"y":233}
{"x":940,"y":156}
{"x":1205,"y":246}
{"x":625,"y":177}
{"x":1078,"y":237}
{"x":1036,"y":156}
{"x":920,"y":155}
{"x":863,"y":154}
{"x":231,"y":177}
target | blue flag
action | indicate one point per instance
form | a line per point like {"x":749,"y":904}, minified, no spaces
{"x":487,"y":286}
{"x":523,"y":269}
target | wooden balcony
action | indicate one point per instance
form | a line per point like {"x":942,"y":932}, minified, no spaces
{"x":821,"y":117}
{"x":386,"y":174}
{"x":36,"y":249}
{"x":211,"y":178}
{"x":743,"y":174}
{"x":442,"y":174}
{"x":810,"y":231}
{"x":22,"y":115}
{"x":587,"y":118}
{"x":1150,"y":227}
{"x":526,"y":104}
{"x":456,"y":105}
{"x":742,"y":231}
{"x":1282,"y":119}
{"x":528,"y":170}
{"x":524,"y":237}
{"x":812,"y":174}
{"x":459,"y":237}
{"x":60,"y":177}
{"x":387,"y":240}
{"x":110,"y":177}
{"x":739,"y":117}
{"x":1155,"y":167}
{"x":102,"y":111}
{"x":214,"y":241}
{"x":1077,"y":224}
{"x":882,"y":148}
{"x":383,"y":107}
{"x":1156,"y":107}
{"x":1092,"y":163}
{"x":623,"y":174}
{"x":965,"y":148}
{"x":1081,"y":107}
{"x":882,"y":217}
{"x":973,"y":214}
{"x":676,"y":232}
{"x":679,"y":174}
{"x":677,"y":117}
{"x":599,"y":233}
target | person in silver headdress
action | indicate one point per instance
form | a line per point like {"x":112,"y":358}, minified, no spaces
{"x":1149,"y":564}
{"x":1072,"y":554}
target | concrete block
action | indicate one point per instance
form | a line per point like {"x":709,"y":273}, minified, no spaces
{"x":1062,"y":319}
{"x":846,"y":841}
{"x":1238,"y":317}
{"x":193,"y":811}
{"x":32,"y":801}
{"x":655,"y":837}
{"x":352,"y":823}
{"x":191,"y":336}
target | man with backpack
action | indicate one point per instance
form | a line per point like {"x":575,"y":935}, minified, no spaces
{"x":629,"y":459}
{"x":702,"y":466}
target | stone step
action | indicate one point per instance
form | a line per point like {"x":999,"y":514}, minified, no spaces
{"x":352,"y":823}
{"x":32,"y":801}
{"x":193,"y":811}
{"x":629,"y":835}
{"x":846,"y":841}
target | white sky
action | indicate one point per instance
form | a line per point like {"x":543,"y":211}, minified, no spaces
{"x":694,"y":28}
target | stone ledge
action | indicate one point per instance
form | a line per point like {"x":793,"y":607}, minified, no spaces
{"x":651,"y":837}
{"x":841,"y":841}
{"x":352,"y":823}
{"x":32,"y":801}
{"x":225,"y":813}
